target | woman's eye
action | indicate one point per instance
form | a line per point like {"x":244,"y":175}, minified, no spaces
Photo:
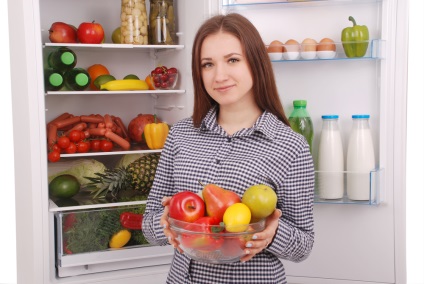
{"x":233,"y":60}
{"x":206,"y":65}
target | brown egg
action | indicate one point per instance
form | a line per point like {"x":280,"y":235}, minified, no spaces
{"x":326,"y":44}
{"x":291,"y":46}
{"x":309,"y":44}
{"x":275,"y":46}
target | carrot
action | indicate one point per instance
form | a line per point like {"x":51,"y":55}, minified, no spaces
{"x":66,"y":122}
{"x":80,"y":126}
{"x":63,"y":116}
{"x":51,"y":135}
{"x":108,"y":121}
{"x":117,"y":139}
{"x":97,"y":131}
{"x":91,"y":119}
{"x":121,"y":125}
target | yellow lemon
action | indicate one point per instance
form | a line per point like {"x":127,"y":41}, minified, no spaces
{"x":237,"y":218}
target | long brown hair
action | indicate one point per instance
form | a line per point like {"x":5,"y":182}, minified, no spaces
{"x":264,"y":87}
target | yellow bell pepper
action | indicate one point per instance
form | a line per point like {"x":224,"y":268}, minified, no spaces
{"x":155,"y":134}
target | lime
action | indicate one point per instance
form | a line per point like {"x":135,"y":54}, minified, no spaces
{"x":131,"y":76}
{"x":64,"y":186}
{"x":116,"y":35}
{"x":103,"y":79}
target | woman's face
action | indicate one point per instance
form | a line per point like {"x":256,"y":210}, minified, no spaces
{"x":225,"y":70}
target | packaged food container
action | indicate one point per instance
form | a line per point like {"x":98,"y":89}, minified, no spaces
{"x":134,"y":23}
{"x":162,"y":28}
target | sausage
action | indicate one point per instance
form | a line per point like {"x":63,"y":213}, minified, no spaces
{"x":117,"y":139}
{"x":97,"y":131}
{"x":63,"y":116}
{"x":51,"y":135}
{"x":92,"y":125}
{"x":108,"y":121}
{"x":121,"y":125}
{"x":80,"y":126}
{"x":101,"y":125}
{"x":67,"y":122}
{"x":91,"y":119}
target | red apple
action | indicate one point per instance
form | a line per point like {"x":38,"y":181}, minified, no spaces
{"x":186,"y":206}
{"x":90,"y":32}
{"x":61,"y":32}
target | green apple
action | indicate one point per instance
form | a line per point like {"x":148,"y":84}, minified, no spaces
{"x":261,"y":200}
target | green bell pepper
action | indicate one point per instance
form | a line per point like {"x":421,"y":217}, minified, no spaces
{"x":355,"y":39}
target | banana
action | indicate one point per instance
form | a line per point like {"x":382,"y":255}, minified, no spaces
{"x":125,"y":85}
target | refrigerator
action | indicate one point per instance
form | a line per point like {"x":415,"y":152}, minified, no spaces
{"x":355,"y":241}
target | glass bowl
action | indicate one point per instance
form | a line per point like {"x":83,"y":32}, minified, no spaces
{"x":166,"y":81}
{"x":214,"y":243}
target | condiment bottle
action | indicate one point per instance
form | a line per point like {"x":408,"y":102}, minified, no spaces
{"x":162,"y":22}
{"x":62,"y":59}
{"x":53,"y":80}
{"x":134,"y":22}
{"x":360,"y":159}
{"x":330,"y":181}
{"x":301,"y":122}
{"x":77,"y":79}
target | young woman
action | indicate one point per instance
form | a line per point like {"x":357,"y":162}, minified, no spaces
{"x":238,"y":136}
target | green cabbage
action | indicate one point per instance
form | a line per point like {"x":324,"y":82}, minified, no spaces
{"x":80,"y":169}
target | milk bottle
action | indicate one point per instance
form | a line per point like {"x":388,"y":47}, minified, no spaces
{"x":330,"y":160}
{"x":360,"y":159}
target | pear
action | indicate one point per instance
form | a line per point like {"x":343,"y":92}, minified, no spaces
{"x":217,"y":200}
{"x":261,"y":200}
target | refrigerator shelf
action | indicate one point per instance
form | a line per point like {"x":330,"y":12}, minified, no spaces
{"x":148,"y":92}
{"x":241,"y":3}
{"x":115,"y":151}
{"x":374,"y":179}
{"x":114,"y":46}
{"x":375,"y":51}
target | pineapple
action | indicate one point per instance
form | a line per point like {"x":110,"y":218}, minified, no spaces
{"x":136,"y":177}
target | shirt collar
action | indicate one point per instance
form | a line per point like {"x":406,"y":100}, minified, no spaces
{"x":265,"y":124}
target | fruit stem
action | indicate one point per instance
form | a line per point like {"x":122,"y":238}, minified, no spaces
{"x":201,"y":183}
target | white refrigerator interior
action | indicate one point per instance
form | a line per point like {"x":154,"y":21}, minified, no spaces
{"x":356,"y":241}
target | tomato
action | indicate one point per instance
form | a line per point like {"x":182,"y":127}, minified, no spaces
{"x":69,"y":221}
{"x":53,"y":156}
{"x":75,"y":135}
{"x":209,"y":241}
{"x":63,"y":142}
{"x":95,"y":145}
{"x":106,"y":145}
{"x":56,"y":147}
{"x":71,"y":149}
{"x":83,"y":146}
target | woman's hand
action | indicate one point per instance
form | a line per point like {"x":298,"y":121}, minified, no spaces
{"x":261,"y":240}
{"x":165,"y":224}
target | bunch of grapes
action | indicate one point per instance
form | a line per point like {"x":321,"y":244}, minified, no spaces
{"x":164,"y":78}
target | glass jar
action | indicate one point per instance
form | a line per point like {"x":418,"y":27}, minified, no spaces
{"x":162,"y":28}
{"x":134,"y":23}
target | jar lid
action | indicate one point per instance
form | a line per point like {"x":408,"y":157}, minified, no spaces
{"x":82,"y":79}
{"x":299,"y":103}
{"x":67,"y":58}
{"x":330,"y":116}
{"x":55,"y":79}
{"x":356,"y":116}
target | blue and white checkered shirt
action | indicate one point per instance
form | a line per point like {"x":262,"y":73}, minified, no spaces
{"x":268,"y":153}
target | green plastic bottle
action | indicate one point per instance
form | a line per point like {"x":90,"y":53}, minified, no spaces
{"x":77,"y":79}
{"x":63,"y":59}
{"x":53,"y":80}
{"x":301,"y":122}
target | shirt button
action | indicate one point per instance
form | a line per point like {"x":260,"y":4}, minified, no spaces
{"x":229,"y":139}
{"x":218,"y":161}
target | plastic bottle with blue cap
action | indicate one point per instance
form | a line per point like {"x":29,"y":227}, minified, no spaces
{"x":360,"y":160}
{"x":330,"y":178}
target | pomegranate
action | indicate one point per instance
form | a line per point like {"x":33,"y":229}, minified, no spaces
{"x":137,"y":124}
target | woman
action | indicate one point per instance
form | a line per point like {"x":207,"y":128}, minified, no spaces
{"x":238,"y":136}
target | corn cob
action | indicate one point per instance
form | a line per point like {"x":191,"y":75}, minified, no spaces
{"x":125,"y":85}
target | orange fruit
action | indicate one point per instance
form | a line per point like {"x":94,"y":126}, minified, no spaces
{"x":95,"y":71}
{"x":149,"y":82}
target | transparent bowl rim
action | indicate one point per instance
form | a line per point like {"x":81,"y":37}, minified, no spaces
{"x":177,"y":225}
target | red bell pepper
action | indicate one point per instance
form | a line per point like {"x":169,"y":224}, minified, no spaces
{"x":131,"y":220}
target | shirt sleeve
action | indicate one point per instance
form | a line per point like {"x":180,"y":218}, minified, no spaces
{"x":295,"y":234}
{"x":163,"y":185}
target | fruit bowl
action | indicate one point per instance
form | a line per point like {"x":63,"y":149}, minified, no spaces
{"x":214,"y":243}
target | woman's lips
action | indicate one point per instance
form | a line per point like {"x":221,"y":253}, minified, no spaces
{"x":223,"y":88}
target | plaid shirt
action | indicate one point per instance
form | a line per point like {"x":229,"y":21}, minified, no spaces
{"x":268,"y":153}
